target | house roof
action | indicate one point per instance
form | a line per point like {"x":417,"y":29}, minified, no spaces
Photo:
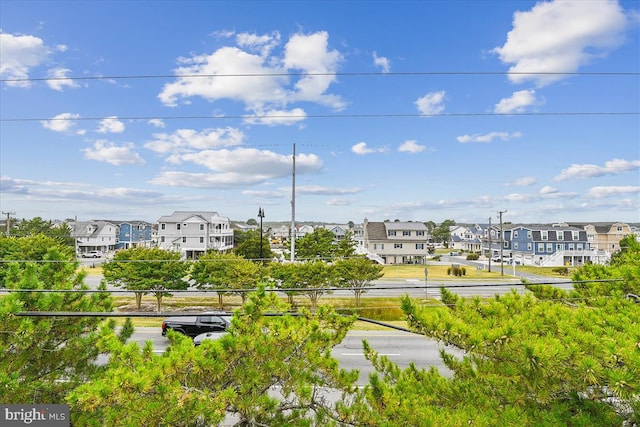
{"x":404,"y":226}
{"x":178,"y":216}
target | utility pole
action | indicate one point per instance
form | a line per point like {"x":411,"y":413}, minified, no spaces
{"x":8,"y":214}
{"x":490,"y":248}
{"x":293,"y":207}
{"x":501,"y":243}
{"x":260,"y":215}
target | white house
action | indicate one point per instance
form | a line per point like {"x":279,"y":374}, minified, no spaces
{"x":192,"y":233}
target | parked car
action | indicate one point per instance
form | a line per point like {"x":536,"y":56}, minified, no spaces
{"x":208,"y":336}
{"x":192,"y":326}
{"x":91,"y":254}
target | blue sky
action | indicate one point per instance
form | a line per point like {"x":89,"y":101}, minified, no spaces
{"x":410,"y":110}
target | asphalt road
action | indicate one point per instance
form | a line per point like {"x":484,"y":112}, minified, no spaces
{"x":400,"y":347}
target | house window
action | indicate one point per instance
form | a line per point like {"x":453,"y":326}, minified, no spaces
{"x":540,"y":247}
{"x":528,"y":234}
{"x":185,"y":224}
{"x":570,"y":246}
{"x":391,"y":233}
{"x":550,"y":247}
{"x":560,"y":235}
{"x":201,"y":239}
{"x":201,"y":226}
{"x":505,"y":244}
{"x":378,"y":246}
{"x":419,"y":245}
{"x":576,"y":235}
{"x":178,"y":226}
{"x":544,"y":235}
{"x":529,"y":246}
{"x":397,"y":246}
{"x":163,"y":226}
{"x":515,"y":234}
{"x":406,"y":233}
{"x":619,"y":228}
{"x":559,"y":247}
{"x":579,"y":246}
{"x":184,"y":239}
{"x":162,"y":239}
{"x":419,"y":233}
{"x":515,"y":245}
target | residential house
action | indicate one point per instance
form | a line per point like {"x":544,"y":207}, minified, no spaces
{"x":192,"y":233}
{"x":466,"y":238}
{"x":396,"y":242}
{"x":338,"y":230}
{"x":95,"y":235}
{"x":604,"y":236}
{"x":131,"y":234}
{"x":541,"y":245}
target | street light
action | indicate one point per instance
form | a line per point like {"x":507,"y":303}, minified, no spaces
{"x":260,"y":215}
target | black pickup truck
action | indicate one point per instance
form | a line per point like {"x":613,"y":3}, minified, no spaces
{"x":193,"y":326}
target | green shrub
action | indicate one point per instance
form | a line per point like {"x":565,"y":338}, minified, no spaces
{"x":472,"y":257}
{"x":563,"y":271}
{"x":457,"y":271}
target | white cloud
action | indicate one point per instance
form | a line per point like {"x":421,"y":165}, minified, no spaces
{"x":277,"y":117}
{"x":339,"y":201}
{"x":187,"y":140}
{"x":518,"y":102}
{"x":63,"y":123}
{"x":318,"y":190}
{"x":260,"y":80}
{"x":110,"y":125}
{"x":411,"y":146}
{"x":362,"y":149}
{"x":263,"y":44}
{"x":105,"y":151}
{"x":61,"y":79}
{"x":158,"y":123}
{"x":431,"y":103}
{"x":19,"y":54}
{"x":548,"y":190}
{"x":612,"y":167}
{"x":524,"y":181}
{"x":382,"y":62}
{"x":489,"y":137}
{"x":233,"y":168}
{"x":559,"y":37}
{"x":600,"y":192}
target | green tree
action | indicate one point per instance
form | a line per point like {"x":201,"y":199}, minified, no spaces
{"x":23,"y":250}
{"x":553,"y":358}
{"x":265,"y":371}
{"x":313,"y":277}
{"x":442,"y":233}
{"x":249,"y":246}
{"x":346,"y":247}
{"x":31,"y":227}
{"x":319,"y":244}
{"x":252,"y":221}
{"x":43,"y":358}
{"x":143,"y":270}
{"x":223,"y":272}
{"x":283,"y":277}
{"x":357,"y":273}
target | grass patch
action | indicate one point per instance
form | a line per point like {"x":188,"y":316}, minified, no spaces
{"x":416,"y":271}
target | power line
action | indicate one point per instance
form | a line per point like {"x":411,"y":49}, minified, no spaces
{"x":337,"y":73}
{"x":330,"y":116}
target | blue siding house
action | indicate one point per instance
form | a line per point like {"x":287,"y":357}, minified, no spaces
{"x":132,"y":234}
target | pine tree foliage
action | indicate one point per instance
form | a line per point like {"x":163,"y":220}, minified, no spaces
{"x":266,"y":371}
{"x":45,"y":357}
{"x":548,"y":358}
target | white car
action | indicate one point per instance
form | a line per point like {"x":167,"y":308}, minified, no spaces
{"x":208,"y":336}
{"x":91,"y":254}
